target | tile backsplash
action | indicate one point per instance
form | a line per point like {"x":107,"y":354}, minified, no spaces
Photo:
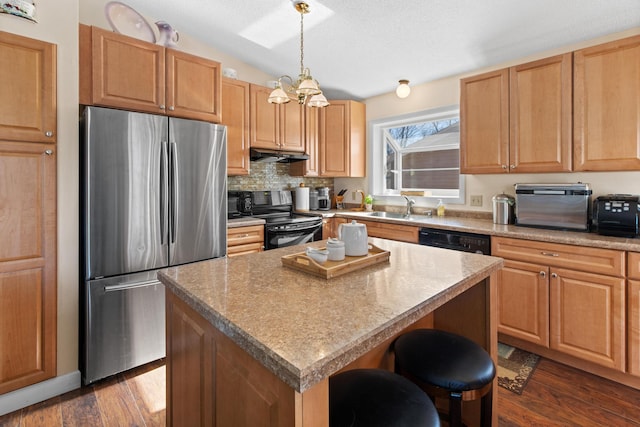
{"x":273,"y":176}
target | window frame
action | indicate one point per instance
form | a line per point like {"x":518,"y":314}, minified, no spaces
{"x":377,"y":136}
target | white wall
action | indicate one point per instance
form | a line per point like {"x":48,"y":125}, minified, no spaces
{"x":447,"y":92}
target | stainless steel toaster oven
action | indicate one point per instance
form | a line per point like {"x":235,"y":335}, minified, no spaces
{"x":556,"y":206}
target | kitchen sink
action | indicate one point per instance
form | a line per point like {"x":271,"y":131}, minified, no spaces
{"x":396,"y":215}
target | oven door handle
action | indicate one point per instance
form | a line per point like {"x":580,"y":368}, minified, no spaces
{"x":311,"y":227}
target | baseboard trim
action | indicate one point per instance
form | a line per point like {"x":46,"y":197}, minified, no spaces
{"x":42,"y":391}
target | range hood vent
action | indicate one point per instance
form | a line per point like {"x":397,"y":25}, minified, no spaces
{"x":266,"y":155}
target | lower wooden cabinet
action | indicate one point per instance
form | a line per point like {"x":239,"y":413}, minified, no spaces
{"x":523,"y":301}
{"x":245,"y":240}
{"x":578,"y":312}
{"x":633,"y":312}
{"x":28,"y":307}
{"x":403,"y":233}
{"x":384,"y":230}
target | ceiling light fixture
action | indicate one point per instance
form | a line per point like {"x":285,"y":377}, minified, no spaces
{"x":403,"y":90}
{"x":305,"y":87}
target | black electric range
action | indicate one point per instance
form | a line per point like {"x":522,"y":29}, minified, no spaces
{"x":283,"y":227}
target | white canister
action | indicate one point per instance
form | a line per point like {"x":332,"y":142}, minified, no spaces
{"x":302,"y":198}
{"x":336,"y":249}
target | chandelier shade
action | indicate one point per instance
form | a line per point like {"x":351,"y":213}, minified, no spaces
{"x":305,"y":88}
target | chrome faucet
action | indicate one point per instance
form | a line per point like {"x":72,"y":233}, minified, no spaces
{"x":410,"y":202}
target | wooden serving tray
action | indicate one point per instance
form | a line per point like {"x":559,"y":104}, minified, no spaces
{"x":329,"y":269}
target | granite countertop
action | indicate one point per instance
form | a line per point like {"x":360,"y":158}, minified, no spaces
{"x":484,"y":226}
{"x":244,"y":222}
{"x":304,"y":328}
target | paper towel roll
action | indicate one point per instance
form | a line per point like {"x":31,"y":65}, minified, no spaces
{"x":302,"y":198}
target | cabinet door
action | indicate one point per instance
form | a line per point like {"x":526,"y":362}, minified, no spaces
{"x":310,"y":166}
{"x":334,"y":140}
{"x":292,"y":127}
{"x":484,"y":123}
{"x":265,"y":117}
{"x":27,"y":264}
{"x":587,"y":317}
{"x":126,"y":72}
{"x":606,"y":106}
{"x":633,"y":327}
{"x":523,"y":301}
{"x":540,"y":115}
{"x":235,"y":115}
{"x":28,"y":76}
{"x":193,"y":88}
{"x":402,"y":233}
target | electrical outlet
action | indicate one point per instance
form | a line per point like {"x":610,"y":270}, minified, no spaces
{"x":353,"y":195}
{"x":476,"y":200}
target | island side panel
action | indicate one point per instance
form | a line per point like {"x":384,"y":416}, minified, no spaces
{"x":213,"y":382}
{"x":474,"y":315}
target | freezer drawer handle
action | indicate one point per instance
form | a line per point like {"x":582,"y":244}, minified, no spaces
{"x":130,"y":285}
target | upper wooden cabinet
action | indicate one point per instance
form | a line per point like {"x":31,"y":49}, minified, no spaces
{"x":342,"y":141}
{"x":310,"y":166}
{"x":484,"y":123}
{"x":29,"y":101}
{"x":235,"y":113}
{"x":607,"y":106}
{"x":273,"y":126}
{"x":517,"y":119}
{"x":124,"y":72}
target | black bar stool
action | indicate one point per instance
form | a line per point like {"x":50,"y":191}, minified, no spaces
{"x":378,"y":398}
{"x":447,"y":365}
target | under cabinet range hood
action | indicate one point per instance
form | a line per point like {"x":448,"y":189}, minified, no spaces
{"x":266,"y":155}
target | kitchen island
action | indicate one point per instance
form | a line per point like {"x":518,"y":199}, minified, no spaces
{"x":252,"y":342}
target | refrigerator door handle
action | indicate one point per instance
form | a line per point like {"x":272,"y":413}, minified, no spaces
{"x":164,"y":190}
{"x":174,"y":190}
{"x":130,"y":285}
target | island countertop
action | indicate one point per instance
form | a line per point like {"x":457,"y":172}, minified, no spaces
{"x":304,"y":328}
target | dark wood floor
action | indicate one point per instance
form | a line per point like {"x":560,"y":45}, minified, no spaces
{"x":556,"y":395}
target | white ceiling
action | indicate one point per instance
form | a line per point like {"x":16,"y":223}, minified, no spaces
{"x":361,"y":48}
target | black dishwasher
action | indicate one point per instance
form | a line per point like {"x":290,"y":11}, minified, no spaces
{"x":456,"y":240}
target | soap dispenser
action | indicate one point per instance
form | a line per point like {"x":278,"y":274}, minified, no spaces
{"x":440,"y":208}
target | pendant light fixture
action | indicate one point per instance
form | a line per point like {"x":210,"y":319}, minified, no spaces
{"x":403,"y":90}
{"x":306,"y":87}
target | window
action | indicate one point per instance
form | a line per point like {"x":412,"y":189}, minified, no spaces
{"x":420,"y":152}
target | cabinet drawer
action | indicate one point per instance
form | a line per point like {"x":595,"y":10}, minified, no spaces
{"x":592,"y":260}
{"x":249,"y":248}
{"x":244,"y":235}
{"x":403,"y":233}
{"x":633,"y":259}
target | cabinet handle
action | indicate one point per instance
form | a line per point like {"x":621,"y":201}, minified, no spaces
{"x":48,"y":152}
{"x":48,"y":134}
{"x":548,"y":254}
{"x":512,"y":166}
{"x":543,"y":274}
{"x":162,"y":107}
{"x":504,"y":166}
{"x":554,"y":275}
{"x":171,"y":108}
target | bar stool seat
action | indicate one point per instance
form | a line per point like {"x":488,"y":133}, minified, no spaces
{"x":378,"y":398}
{"x":447,"y":365}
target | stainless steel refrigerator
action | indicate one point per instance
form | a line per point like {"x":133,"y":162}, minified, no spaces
{"x":153,"y":194}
